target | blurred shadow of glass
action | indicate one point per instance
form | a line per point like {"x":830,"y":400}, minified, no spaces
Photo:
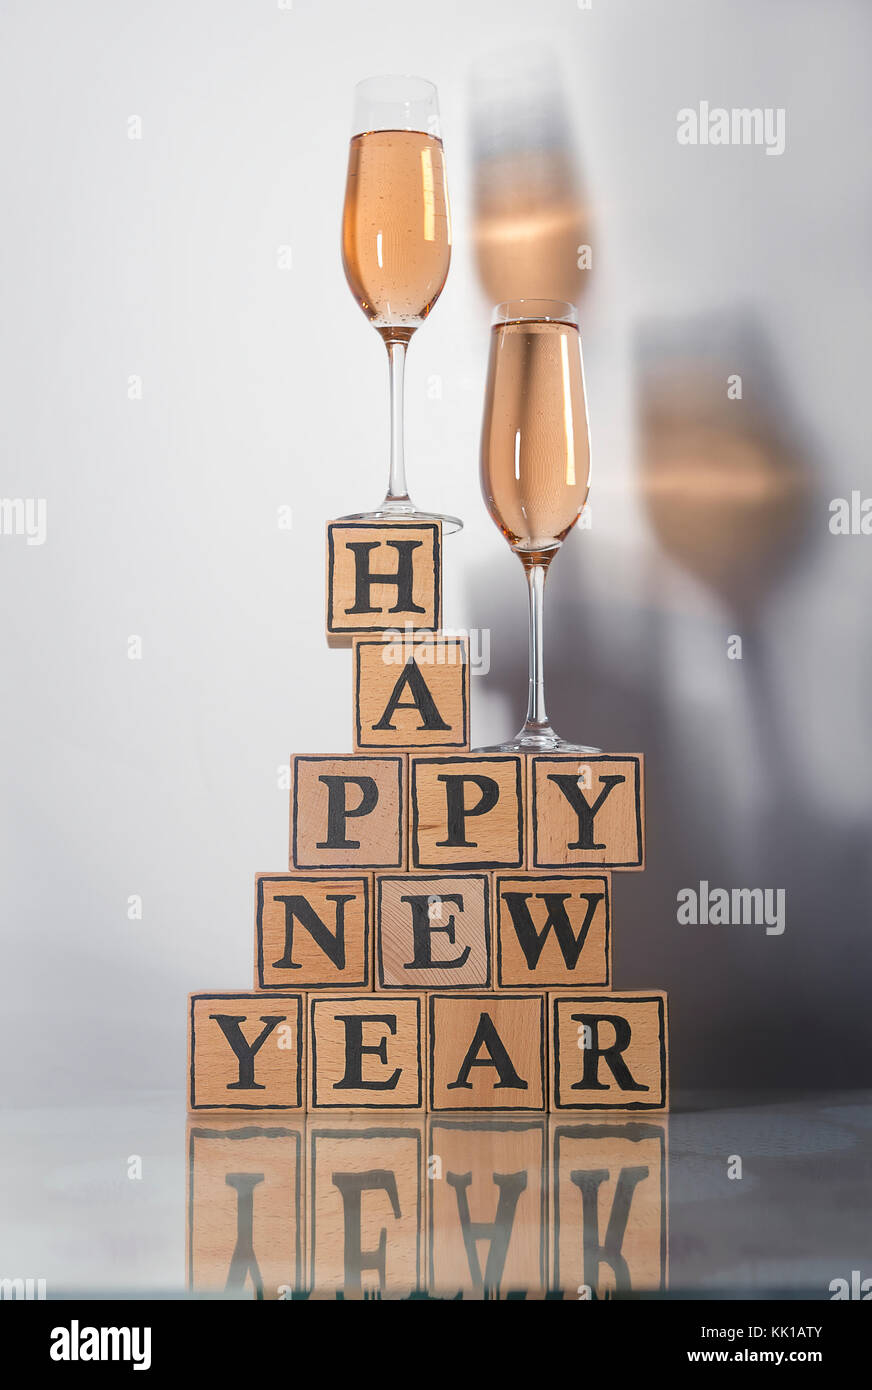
{"x":725,"y":486}
{"x":531,"y":223}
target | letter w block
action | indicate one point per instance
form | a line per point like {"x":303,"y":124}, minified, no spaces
{"x":383,"y":575}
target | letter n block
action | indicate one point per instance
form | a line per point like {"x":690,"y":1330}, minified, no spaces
{"x":487,"y":1052}
{"x":246,"y":1052}
{"x":313,"y":932}
{"x":432,"y":931}
{"x":466,"y":811}
{"x":552,"y":930}
{"x":410,"y":694}
{"x":383,"y":575}
{"x":609,"y":1052}
{"x":367,"y":1052}
{"x":348,"y":812}
{"x":586,"y":811}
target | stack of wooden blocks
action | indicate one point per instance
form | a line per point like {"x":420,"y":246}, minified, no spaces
{"x":443,"y":940}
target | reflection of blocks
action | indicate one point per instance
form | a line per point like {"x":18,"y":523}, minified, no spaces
{"x":487,"y":1052}
{"x":366,"y":1221}
{"x":487,"y":1216}
{"x":466,"y":811}
{"x":432,"y":930}
{"x":586,"y":812}
{"x":348,"y":812}
{"x":246,"y":1189}
{"x":608,"y":1051}
{"x":246,"y":1052}
{"x":609,"y":1213}
{"x":411,"y":694}
{"x":552,"y":930}
{"x":367,"y":1052}
{"x":383,"y":575}
{"x":313,"y":932}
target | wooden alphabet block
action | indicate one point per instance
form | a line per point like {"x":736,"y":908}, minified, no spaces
{"x":383,"y":575}
{"x":586,"y":811}
{"x":367,"y":1052}
{"x":348,"y":812}
{"x":609,"y":1051}
{"x":609,"y":1208}
{"x":466,"y":811}
{"x":313,"y":932}
{"x":487,"y":1052}
{"x":552,"y":930}
{"x":432,"y":931}
{"x":487,"y":1208}
{"x":246,"y":1051}
{"x":366,"y":1208}
{"x":246,"y":1207}
{"x":411,"y":693}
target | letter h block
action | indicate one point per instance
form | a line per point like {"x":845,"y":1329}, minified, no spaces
{"x":383,"y":576}
{"x":348,"y":812}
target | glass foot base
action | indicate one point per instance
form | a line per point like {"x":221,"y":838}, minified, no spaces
{"x":406,"y":511}
{"x":539,"y":741}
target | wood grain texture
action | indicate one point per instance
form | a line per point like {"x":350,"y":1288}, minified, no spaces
{"x":348,"y":812}
{"x":246,"y":1175}
{"x":586,"y":811}
{"x":487,"y":1052}
{"x":433,"y":931}
{"x":552,"y":930}
{"x":609,"y":1207}
{"x":246,"y":1051}
{"x":491,"y":1182}
{"x":609,"y":1051}
{"x":466,"y":811}
{"x":405,"y":560}
{"x":411,"y":694}
{"x":313,"y":931}
{"x":367,"y":1052}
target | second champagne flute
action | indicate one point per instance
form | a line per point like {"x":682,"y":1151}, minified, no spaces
{"x":396,"y":240}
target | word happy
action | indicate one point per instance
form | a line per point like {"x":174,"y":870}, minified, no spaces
{"x":739,"y":126}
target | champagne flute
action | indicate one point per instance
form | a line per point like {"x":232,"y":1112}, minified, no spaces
{"x":396,"y":240}
{"x":535,"y":466}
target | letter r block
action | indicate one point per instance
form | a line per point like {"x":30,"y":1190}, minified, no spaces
{"x":367,"y":1052}
{"x":411,"y":694}
{"x":348,"y":812}
{"x":313,"y":932}
{"x":552,"y":931}
{"x":433,"y":931}
{"x":383,"y":575}
{"x":609,"y":1051}
{"x":487,"y":1052}
{"x":586,"y":811}
{"x":466,"y":811}
{"x":246,"y":1051}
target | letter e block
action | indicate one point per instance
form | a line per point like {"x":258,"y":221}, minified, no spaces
{"x":367,"y":1052}
{"x":487,"y":1052}
{"x":348,"y":812}
{"x":466,"y":811}
{"x":313,"y":933}
{"x":609,"y":1052}
{"x":433,"y":931}
{"x":383,"y":575}
{"x":411,"y":694}
{"x":552,"y":930}
{"x":586,"y":812}
{"x":246,"y":1052}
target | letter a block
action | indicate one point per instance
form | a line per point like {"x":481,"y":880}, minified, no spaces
{"x":466,"y":811}
{"x":609,"y":1052}
{"x":383,"y":575}
{"x":411,"y":694}
{"x":487,"y":1052}
{"x":552,"y":930}
{"x":586,"y":812}
{"x":432,"y":931}
{"x":313,"y":933}
{"x":246,"y":1052}
{"x":348,"y":812}
{"x":367,"y":1052}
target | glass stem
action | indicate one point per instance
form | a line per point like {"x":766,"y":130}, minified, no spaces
{"x":537,"y":716}
{"x":397,"y":491}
